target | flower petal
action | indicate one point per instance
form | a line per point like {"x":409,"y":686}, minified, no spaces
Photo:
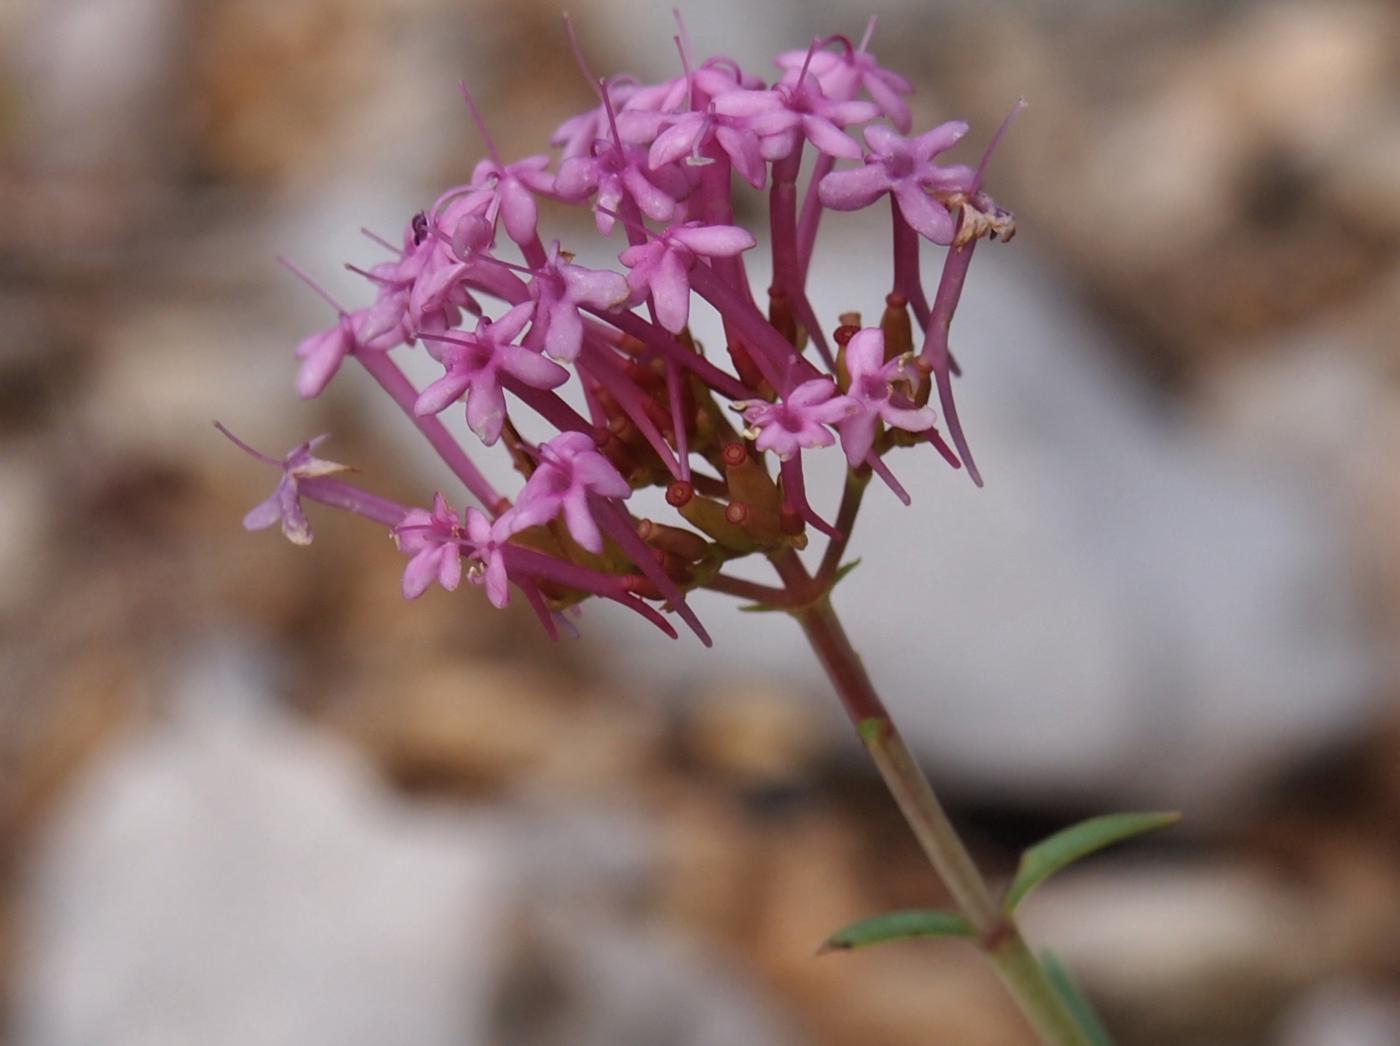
{"x":928,"y":217}
{"x":829,"y":138}
{"x":714,"y":241}
{"x":441,"y":394}
{"x":580,"y":523}
{"x":851,"y":190}
{"x":670,"y":291}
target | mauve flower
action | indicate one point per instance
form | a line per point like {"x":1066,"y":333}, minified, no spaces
{"x":475,"y":363}
{"x":559,"y":289}
{"x":284,"y":506}
{"x":509,"y":193}
{"x":616,"y":172}
{"x":661,"y":267}
{"x":488,"y":562}
{"x":433,"y":541}
{"x":688,"y":133}
{"x":904,"y":167}
{"x":571,"y":469}
{"x":787,"y":113}
{"x":873,"y":397}
{"x":798,"y":422}
{"x":841,"y":73}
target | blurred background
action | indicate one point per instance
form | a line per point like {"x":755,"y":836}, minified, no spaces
{"x":248,"y":796}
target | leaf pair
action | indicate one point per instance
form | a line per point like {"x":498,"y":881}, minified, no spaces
{"x":1038,"y":863}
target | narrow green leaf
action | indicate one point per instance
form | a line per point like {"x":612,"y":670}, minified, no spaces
{"x":897,"y":926}
{"x":1062,"y":849}
{"x":761,"y":608}
{"x":1067,"y":988}
{"x":842,"y":571}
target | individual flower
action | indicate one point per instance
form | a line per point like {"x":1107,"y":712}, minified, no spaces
{"x":799,"y":421}
{"x":904,"y":167}
{"x":433,"y":542}
{"x":614,"y":171}
{"x":508,"y":190}
{"x":487,"y":566}
{"x":788,"y":113}
{"x":475,"y":365}
{"x":688,"y":133}
{"x":559,"y":289}
{"x":874,"y":395}
{"x":661,"y":267}
{"x":571,"y":470}
{"x":842,"y":73}
{"x":284,"y":505}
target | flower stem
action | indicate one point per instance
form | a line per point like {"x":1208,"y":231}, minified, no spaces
{"x":998,"y":936}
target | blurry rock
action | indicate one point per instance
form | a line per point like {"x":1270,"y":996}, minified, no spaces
{"x":23,"y":523}
{"x":753,"y":733}
{"x":230,"y":878}
{"x":1184,"y":955}
{"x":483,"y":726}
{"x":600,"y":984}
{"x":1342,"y":1013}
{"x":1126,"y":607}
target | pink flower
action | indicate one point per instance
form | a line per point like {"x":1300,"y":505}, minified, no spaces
{"x":475,"y":363}
{"x":433,"y":541}
{"x":787,"y":113}
{"x":841,"y":73}
{"x":508,"y":193}
{"x":904,"y":167}
{"x":798,"y":422}
{"x":571,"y":470}
{"x":689,"y":132}
{"x":559,"y":289}
{"x":284,"y":506}
{"x":616,"y":172}
{"x":873,"y":397}
{"x":661,"y":267}
{"x":488,"y":560}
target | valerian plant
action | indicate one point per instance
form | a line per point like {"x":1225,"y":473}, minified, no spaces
{"x":511,"y":318}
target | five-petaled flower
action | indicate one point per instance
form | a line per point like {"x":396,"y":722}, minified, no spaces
{"x":878,"y":393}
{"x":904,"y":167}
{"x":662,"y":266}
{"x":559,"y":289}
{"x":570,"y":470}
{"x":798,"y":422}
{"x":433,"y":542}
{"x":477,"y":362}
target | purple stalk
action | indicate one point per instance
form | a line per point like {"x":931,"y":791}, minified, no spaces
{"x":393,"y":381}
{"x":617,"y":524}
{"x":345,"y":496}
{"x":795,"y":492}
{"x":662,"y":341}
{"x":935,"y":351}
{"x":603,"y":368}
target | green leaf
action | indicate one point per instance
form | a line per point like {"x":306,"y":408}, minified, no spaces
{"x":762,"y":608}
{"x":897,"y":926}
{"x":1067,"y":988}
{"x":1062,"y":849}
{"x":842,"y":571}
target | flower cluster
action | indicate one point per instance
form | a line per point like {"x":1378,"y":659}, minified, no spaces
{"x":511,"y":320}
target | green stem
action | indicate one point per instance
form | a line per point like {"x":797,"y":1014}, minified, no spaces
{"x":998,"y":936}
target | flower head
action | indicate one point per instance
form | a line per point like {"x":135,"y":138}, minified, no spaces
{"x":644,"y":406}
{"x":798,"y":422}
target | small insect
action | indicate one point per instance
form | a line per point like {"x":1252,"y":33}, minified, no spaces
{"x":420,"y":228}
